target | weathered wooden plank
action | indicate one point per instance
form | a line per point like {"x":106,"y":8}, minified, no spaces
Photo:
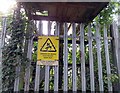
{"x":92,"y":82}
{"x":107,"y":59}
{"x":17,"y":77}
{"x":37,"y":74}
{"x":65,"y":77}
{"x":37,"y":78}
{"x":56,"y":77}
{"x":4,"y":26}
{"x":46,"y":87}
{"x":114,"y":56}
{"x":74,"y":79}
{"x":118,"y":32}
{"x":117,"y":45}
{"x":17,"y":72}
{"x":56,"y":68}
{"x":2,"y":40}
{"x":98,"y":44}
{"x":0,"y":63}
{"x":27,"y":73}
{"x":116,"y":48}
{"x":83,"y":79}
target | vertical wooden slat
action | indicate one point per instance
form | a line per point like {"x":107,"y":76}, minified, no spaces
{"x":37,"y":78}
{"x":37,"y":74}
{"x":74,"y":76}
{"x":56,"y":78}
{"x":117,"y":45}
{"x":98,"y":44}
{"x":29,"y":56}
{"x":0,"y":63}
{"x":2,"y":40}
{"x":107,"y":59}
{"x":83,"y":79}
{"x":114,"y":47}
{"x":17,"y":77}
{"x":4,"y":25}
{"x":92,"y":83}
{"x":46,"y":87}
{"x":56,"y":71}
{"x":118,"y":33}
{"x":118,"y":59}
{"x":17,"y":73}
{"x":65,"y":78}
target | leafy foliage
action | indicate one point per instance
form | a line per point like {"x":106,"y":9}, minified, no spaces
{"x":13,"y":51}
{"x":106,"y":16}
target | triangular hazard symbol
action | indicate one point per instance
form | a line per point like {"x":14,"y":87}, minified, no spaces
{"x":48,"y":46}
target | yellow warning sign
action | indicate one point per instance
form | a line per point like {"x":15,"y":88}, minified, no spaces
{"x":48,"y":48}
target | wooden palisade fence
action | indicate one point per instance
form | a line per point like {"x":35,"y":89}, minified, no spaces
{"x":96,"y":42}
{"x":91,"y":37}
